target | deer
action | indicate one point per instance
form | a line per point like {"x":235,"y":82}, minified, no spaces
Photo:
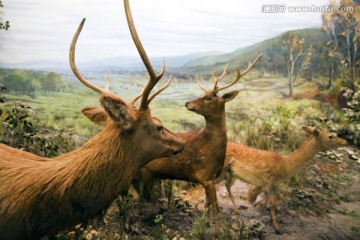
{"x":265,"y":170}
{"x":203,"y":156}
{"x":40,"y":197}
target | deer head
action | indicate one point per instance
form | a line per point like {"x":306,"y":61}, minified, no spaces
{"x":325,"y":139}
{"x":209,"y":103}
{"x":147,"y":132}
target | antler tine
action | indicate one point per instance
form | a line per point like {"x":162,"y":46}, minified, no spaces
{"x":154,"y":94}
{"x":137,"y":97}
{"x":201,"y":86}
{"x":160,"y":90}
{"x":153,"y":77}
{"x":73,"y":65}
{"x":218,"y":79}
{"x":107,"y":87}
{"x":239,"y":75}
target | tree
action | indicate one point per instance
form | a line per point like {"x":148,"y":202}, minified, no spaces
{"x":343,"y":30}
{"x":22,"y":83}
{"x":295,"y":55}
{"x":3,"y":24}
{"x":52,"y":82}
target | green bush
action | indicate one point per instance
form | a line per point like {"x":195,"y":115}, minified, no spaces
{"x":18,"y":131}
{"x":351,"y":130}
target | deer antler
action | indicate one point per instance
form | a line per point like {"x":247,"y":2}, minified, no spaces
{"x":216,"y":89}
{"x":239,"y":75}
{"x":154,"y":79}
{"x":154,"y":94}
{"x":218,"y":79}
{"x":76,"y":71}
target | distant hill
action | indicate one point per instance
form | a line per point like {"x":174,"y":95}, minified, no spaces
{"x":274,"y":59}
{"x":273,"y":50}
{"x":118,"y":64}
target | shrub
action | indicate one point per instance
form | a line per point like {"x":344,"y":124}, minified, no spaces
{"x":18,"y":131}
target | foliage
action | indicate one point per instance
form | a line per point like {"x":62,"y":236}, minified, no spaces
{"x":30,"y":82}
{"x":52,"y":82}
{"x":18,"y":131}
{"x":352,"y":112}
{"x":3,"y":24}
{"x":342,"y":28}
{"x":275,"y":129}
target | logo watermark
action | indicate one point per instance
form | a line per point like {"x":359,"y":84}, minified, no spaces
{"x":282,"y":8}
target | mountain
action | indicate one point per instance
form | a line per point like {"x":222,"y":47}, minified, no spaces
{"x":118,"y":64}
{"x":273,"y":50}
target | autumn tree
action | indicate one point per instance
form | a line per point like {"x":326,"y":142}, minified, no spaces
{"x":296,"y":55}
{"x":343,"y":30}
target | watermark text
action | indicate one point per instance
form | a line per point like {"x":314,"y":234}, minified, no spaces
{"x":282,"y":8}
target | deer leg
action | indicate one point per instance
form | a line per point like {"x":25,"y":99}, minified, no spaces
{"x":229,"y":181}
{"x":210,"y":191}
{"x":253,"y":192}
{"x":273,"y":203}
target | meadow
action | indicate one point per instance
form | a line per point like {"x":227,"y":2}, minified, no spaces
{"x":260,"y":116}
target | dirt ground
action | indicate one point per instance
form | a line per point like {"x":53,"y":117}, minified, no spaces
{"x":322,"y":202}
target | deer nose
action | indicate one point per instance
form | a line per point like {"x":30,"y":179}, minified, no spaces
{"x":186,"y":104}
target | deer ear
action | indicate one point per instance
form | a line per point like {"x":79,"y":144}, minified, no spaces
{"x":96,"y":115}
{"x":118,"y":110}
{"x":311,"y":131}
{"x":230,"y":96}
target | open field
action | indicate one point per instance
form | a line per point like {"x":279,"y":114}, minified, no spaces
{"x":260,"y":116}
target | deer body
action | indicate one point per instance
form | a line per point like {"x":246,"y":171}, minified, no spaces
{"x":266,"y":169}
{"x":50,"y":195}
{"x":202,"y":158}
{"x":41,"y":196}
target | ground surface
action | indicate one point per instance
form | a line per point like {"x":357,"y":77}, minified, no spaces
{"x":321,"y":203}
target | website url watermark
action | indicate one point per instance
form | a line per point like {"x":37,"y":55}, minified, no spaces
{"x":282,"y":8}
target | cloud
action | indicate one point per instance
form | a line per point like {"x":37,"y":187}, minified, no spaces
{"x":42,"y":30}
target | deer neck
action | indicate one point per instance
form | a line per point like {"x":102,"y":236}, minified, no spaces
{"x":300,"y":157}
{"x":98,"y":163}
{"x":216,"y":125}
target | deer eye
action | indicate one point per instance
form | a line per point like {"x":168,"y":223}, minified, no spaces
{"x":331,"y":137}
{"x":207,"y":98}
{"x":160,"y":129}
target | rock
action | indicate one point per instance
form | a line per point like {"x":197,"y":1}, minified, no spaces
{"x":243,"y":207}
{"x":256,"y":225}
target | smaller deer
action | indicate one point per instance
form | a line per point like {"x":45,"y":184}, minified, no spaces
{"x":266,"y":169}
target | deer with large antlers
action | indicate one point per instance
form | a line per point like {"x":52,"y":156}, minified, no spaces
{"x":40,"y":197}
{"x":265,"y":170}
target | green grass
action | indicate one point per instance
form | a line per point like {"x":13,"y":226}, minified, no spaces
{"x":258,"y":118}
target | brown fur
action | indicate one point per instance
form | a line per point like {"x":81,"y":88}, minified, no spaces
{"x":266,"y":169}
{"x":40,"y":196}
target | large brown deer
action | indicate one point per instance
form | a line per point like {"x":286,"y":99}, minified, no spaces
{"x":39,"y":196}
{"x":265,"y":170}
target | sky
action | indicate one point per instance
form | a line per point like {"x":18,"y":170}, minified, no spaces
{"x":41,"y":30}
